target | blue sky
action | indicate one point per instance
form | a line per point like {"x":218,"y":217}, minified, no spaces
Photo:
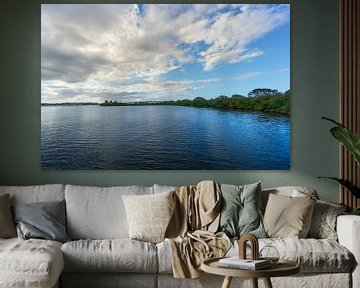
{"x":129,"y":52}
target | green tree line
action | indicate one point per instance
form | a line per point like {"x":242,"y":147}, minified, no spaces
{"x":265,"y":100}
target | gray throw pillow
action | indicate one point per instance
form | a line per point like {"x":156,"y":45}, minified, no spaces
{"x":7,"y":226}
{"x":44,"y":220}
{"x":240,"y":213}
{"x":323,"y":222}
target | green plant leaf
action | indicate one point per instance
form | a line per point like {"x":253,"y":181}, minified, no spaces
{"x":349,"y":139}
{"x":333,"y":121}
{"x":355,"y":211}
{"x":347,"y":184}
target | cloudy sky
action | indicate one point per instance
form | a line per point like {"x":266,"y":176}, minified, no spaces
{"x":130,"y":52}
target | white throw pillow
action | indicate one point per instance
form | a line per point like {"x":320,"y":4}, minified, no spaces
{"x":149,"y":215}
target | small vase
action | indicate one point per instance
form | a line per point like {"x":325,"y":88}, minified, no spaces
{"x":270,"y":253}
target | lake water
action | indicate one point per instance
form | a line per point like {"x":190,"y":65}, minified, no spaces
{"x":162,"y":137}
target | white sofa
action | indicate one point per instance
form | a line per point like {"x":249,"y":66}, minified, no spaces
{"x":101,"y":255}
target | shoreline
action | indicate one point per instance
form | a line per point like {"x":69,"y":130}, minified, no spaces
{"x":287,"y":113}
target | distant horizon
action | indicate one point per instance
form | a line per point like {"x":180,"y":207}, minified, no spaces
{"x":90,"y":102}
{"x":161,"y":52}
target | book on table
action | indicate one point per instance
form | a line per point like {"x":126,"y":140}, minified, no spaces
{"x":236,"y":262}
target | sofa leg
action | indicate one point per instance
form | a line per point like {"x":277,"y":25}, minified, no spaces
{"x":227,"y":282}
{"x":267,"y":283}
{"x":254,"y":282}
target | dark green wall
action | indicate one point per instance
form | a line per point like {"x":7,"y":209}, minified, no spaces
{"x":314,"y":85}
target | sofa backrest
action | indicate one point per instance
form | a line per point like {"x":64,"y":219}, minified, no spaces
{"x":36,"y":193}
{"x":163,"y":188}
{"x":98,"y":212}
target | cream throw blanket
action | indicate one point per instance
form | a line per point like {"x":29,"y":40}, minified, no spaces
{"x":191,"y":231}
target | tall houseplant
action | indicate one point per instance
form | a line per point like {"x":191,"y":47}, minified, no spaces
{"x":351,"y":141}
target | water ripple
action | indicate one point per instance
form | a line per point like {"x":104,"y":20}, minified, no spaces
{"x":162,"y":137}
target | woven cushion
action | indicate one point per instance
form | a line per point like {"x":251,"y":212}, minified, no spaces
{"x":149,"y":215}
{"x":323,"y":222}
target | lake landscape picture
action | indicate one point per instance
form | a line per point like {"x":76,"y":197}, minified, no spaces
{"x":165,"y":86}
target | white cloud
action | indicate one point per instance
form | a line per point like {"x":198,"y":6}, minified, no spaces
{"x":125,"y":91}
{"x":231,"y":33}
{"x":88,"y":48}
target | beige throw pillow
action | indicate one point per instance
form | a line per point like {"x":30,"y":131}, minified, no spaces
{"x":7,"y":226}
{"x":288,"y":217}
{"x":149,"y":215}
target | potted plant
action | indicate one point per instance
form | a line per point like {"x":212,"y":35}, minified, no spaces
{"x":351,"y":141}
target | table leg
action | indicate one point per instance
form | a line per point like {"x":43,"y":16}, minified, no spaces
{"x":227,"y":282}
{"x":254,"y":282}
{"x":267,"y":283}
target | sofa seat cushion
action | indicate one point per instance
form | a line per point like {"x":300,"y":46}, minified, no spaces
{"x":313,"y":255}
{"x":115,"y":255}
{"x":30,"y":263}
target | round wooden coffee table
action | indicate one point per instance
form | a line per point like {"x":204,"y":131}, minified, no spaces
{"x":281,"y":268}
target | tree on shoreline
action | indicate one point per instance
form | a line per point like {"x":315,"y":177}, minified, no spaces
{"x":261,"y":99}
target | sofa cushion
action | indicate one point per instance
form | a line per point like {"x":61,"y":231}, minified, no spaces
{"x":98,"y":213}
{"x":313,"y":255}
{"x":287,"y":216}
{"x":36,"y":193}
{"x":164,"y":257}
{"x":117,"y":255}
{"x":163,"y":188}
{"x":149,"y":215}
{"x":30,"y":263}
{"x":7,"y":226}
{"x":323,"y":222}
{"x":109,"y":280}
{"x":291,"y":191}
{"x":240,"y":210}
{"x":42,"y":220}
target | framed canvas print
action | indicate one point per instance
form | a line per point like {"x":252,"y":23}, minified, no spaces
{"x":165,"y":86}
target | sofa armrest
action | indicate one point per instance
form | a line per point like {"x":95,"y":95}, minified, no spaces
{"x":348,"y":230}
